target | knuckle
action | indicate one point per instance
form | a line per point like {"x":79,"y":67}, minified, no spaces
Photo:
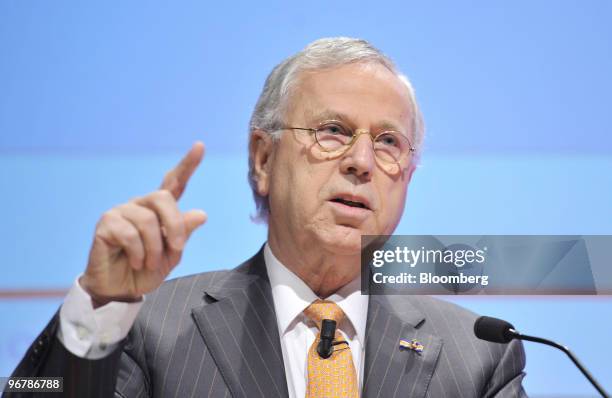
{"x":165,"y":194}
{"x":126,"y":207}
{"x":149,"y":218}
{"x":135,"y":199}
{"x":108,"y":217}
{"x":157,"y":198}
{"x":131,"y":235}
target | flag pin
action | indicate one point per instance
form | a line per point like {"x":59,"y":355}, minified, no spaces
{"x":413,"y":345}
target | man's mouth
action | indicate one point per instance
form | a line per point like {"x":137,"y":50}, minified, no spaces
{"x":350,"y":203}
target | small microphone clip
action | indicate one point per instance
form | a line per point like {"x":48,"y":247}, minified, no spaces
{"x":326,"y":342}
{"x":325,"y":348}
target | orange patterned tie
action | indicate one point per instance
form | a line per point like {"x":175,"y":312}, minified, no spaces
{"x":335,"y":376}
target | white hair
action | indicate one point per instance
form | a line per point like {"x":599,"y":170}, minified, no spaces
{"x":320,"y":54}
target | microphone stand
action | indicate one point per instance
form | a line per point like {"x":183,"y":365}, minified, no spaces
{"x":566,"y":350}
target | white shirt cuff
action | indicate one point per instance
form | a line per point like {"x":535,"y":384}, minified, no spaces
{"x":94,"y":333}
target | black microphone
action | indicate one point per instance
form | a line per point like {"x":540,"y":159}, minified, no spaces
{"x":325,"y":348}
{"x":326,"y":342}
{"x":499,"y":331}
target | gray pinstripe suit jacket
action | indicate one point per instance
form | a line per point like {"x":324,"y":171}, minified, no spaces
{"x":215,"y":335}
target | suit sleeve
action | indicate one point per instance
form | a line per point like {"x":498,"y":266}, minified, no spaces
{"x":506,"y":381}
{"x":100,"y":378}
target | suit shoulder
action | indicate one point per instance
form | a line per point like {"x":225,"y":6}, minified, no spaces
{"x":202,"y":279}
{"x":435,"y":307}
{"x":186,"y":289}
{"x":440,"y":317}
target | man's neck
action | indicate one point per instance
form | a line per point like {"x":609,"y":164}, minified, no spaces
{"x":323,"y":271}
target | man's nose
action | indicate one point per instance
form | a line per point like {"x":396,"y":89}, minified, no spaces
{"x":360,"y":158}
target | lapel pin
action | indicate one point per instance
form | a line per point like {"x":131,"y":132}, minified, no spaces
{"x":413,"y":345}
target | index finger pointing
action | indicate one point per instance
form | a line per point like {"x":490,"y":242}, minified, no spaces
{"x":176,"y":179}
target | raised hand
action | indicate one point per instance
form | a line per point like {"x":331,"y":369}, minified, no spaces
{"x":138,"y":243}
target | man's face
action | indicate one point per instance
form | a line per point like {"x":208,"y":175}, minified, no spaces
{"x":310,"y":193}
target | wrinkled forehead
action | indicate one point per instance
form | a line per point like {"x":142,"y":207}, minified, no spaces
{"x":363,"y":95}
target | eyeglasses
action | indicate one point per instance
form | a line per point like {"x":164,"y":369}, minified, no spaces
{"x":335,"y":137}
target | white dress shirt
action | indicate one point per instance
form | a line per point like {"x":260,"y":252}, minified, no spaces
{"x":297,"y":333}
{"x":94,"y":333}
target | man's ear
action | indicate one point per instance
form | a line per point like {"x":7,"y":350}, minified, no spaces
{"x":261,"y":148}
{"x":408,"y":171}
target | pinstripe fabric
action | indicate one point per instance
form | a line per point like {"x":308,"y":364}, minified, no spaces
{"x":215,"y":335}
{"x":453,"y":364}
{"x":241,"y":333}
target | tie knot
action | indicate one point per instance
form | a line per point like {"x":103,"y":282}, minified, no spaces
{"x":322,"y":309}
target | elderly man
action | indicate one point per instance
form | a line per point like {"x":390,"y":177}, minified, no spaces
{"x":334,"y":140}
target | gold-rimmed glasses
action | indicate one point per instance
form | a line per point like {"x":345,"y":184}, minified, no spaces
{"x":335,"y":137}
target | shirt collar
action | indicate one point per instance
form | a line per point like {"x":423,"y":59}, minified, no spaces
{"x":291,"y":296}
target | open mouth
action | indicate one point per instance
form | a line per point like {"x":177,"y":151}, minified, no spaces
{"x":350,"y":203}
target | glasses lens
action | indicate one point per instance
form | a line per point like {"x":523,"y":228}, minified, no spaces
{"x":333,"y":136}
{"x":391,"y":146}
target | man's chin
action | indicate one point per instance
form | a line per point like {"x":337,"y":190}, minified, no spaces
{"x":344,"y":240}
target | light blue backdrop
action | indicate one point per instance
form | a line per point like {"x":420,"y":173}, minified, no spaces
{"x":98,"y":100}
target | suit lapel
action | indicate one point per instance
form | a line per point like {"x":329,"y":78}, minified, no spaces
{"x":240,"y":330}
{"x":389,"y":370}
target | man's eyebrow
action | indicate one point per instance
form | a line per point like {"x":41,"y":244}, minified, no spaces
{"x":388,"y":125}
{"x":327,"y":115}
{"x":334,"y":115}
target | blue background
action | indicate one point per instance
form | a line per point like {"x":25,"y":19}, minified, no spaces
{"x":99,"y":100}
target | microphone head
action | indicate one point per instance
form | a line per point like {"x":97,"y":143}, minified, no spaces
{"x":328,"y":329}
{"x":493,"y":330}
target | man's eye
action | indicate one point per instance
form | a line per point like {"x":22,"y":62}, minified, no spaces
{"x":388,"y":139}
{"x":334,"y":129}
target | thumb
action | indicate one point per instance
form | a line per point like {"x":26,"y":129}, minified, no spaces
{"x":193,"y":219}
